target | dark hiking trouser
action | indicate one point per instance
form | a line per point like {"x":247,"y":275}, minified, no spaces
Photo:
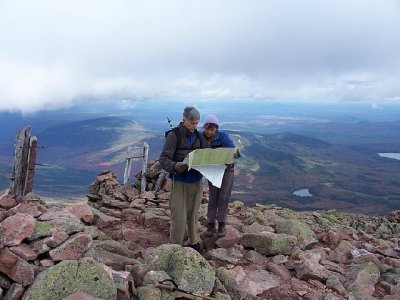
{"x":219,"y":198}
{"x":184,"y":202}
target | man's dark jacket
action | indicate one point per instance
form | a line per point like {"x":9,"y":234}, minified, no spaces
{"x":173,"y":153}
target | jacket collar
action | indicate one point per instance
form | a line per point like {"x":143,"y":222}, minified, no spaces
{"x":185,"y":131}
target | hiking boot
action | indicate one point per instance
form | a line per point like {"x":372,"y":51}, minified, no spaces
{"x":221,"y":229}
{"x":198,"y":247}
{"x":210,"y":229}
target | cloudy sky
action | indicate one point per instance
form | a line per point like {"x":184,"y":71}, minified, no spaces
{"x":56,"y":53}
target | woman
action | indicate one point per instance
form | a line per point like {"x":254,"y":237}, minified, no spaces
{"x":219,"y":197}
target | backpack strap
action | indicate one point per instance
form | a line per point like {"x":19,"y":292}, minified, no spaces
{"x":178,"y":136}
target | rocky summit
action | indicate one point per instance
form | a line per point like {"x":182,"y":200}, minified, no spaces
{"x":115,"y":246}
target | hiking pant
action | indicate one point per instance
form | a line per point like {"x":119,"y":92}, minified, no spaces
{"x":184,"y":202}
{"x":219,"y":198}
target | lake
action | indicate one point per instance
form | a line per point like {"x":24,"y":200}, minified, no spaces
{"x":390,"y":155}
{"x":302,"y":193}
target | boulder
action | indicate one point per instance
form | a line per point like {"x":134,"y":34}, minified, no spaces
{"x":81,"y":211}
{"x":15,"y":267}
{"x":73,"y":248}
{"x":240,"y":283}
{"x":71,"y":276}
{"x":26,"y":208}
{"x":268,"y":243}
{"x":342,"y":253}
{"x":361,"y":278}
{"x":15,"y":292}
{"x":24,"y":251}
{"x":16,"y":228}
{"x":305,"y":236}
{"x":7,"y":201}
{"x":231,"y":238}
{"x":47,"y":228}
{"x":185,"y":266}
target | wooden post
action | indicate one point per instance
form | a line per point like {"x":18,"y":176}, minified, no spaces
{"x":20,"y":167}
{"x":144,"y":167}
{"x":128,"y":165}
{"x":30,"y":165}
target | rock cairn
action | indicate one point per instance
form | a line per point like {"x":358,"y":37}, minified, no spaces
{"x":116,"y":247}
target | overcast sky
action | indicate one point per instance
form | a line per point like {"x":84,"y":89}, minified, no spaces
{"x":54,"y":53}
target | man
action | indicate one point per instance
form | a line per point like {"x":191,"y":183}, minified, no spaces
{"x":187,"y":189}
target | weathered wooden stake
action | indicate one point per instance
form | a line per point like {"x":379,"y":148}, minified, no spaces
{"x":31,"y":165}
{"x":144,"y":167}
{"x":24,"y":163}
{"x":128,"y":165}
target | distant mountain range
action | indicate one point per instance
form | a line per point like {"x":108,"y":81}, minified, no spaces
{"x":349,"y":177}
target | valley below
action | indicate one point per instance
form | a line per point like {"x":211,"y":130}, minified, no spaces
{"x":345,"y":174}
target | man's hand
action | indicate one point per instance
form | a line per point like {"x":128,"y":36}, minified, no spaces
{"x":180,"y":167}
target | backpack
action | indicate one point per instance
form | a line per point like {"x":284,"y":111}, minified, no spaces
{"x":177,"y":133}
{"x":179,"y":138}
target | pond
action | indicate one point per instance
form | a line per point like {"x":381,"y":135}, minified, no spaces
{"x":390,"y":155}
{"x":302,"y":193}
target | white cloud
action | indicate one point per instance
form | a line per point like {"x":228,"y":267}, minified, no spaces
{"x":55,"y":53}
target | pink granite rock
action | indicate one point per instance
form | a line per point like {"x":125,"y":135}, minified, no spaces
{"x":15,"y":267}
{"x":231,"y":238}
{"x":24,"y":251}
{"x":73,"y":248}
{"x":26,"y":208}
{"x":81,"y":211}
{"x":7,"y":201}
{"x":14,"y":229}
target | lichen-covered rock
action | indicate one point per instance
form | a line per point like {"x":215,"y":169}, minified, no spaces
{"x":111,"y":259}
{"x":362,"y":278}
{"x":221,"y":254}
{"x":334,"y":283}
{"x":47,"y":228}
{"x":72,"y":276}
{"x":14,"y":292}
{"x":246,"y":284}
{"x":158,"y":258}
{"x":185,"y":266}
{"x":149,"y":293}
{"x":257,"y":228}
{"x":268,"y":243}
{"x":73,"y":248}
{"x":342,"y":253}
{"x":153,"y":277}
{"x":124,"y":283}
{"x":305,"y":236}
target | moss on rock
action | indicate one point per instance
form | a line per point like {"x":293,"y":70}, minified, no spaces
{"x":71,"y":276}
{"x":270,"y":243}
{"x":302,"y":231}
{"x":185,"y":266}
{"x":46,"y":228}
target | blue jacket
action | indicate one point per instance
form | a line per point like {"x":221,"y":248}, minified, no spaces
{"x":222,"y":139}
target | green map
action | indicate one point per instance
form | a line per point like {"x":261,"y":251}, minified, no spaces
{"x":219,"y":156}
